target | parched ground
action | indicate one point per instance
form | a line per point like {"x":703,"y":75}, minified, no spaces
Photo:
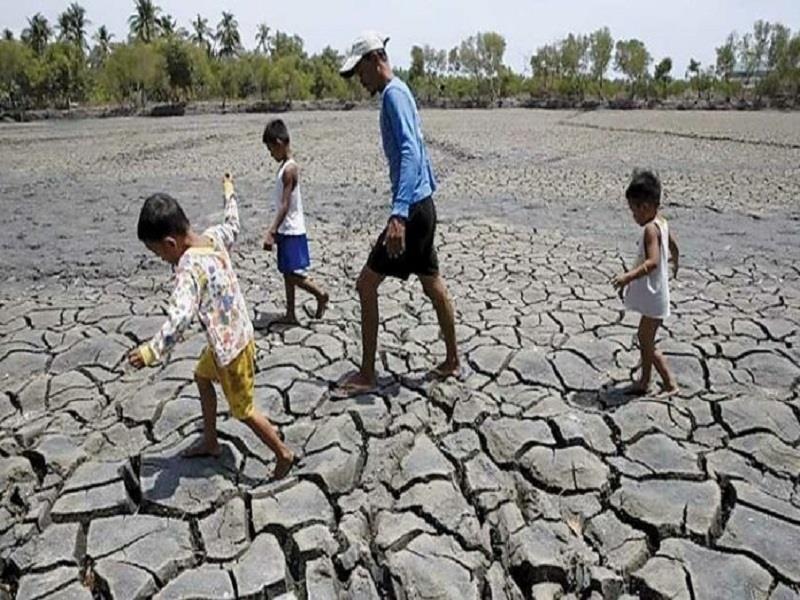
{"x":532,"y":477}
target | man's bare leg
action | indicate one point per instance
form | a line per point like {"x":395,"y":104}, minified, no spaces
{"x":364,"y":379}
{"x":436,"y":289}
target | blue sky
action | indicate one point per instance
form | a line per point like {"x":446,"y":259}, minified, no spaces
{"x":680,"y":29}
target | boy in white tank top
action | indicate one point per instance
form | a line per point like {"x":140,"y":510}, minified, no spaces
{"x":645,"y":288}
{"x":288,"y":229}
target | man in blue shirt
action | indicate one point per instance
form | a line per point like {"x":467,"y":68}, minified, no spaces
{"x":406,"y":245}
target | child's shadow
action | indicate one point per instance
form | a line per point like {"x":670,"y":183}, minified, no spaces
{"x":161,"y":476}
{"x":271,"y":321}
{"x":607,"y":397}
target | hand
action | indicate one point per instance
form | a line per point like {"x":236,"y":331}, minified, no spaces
{"x":395,"y":239}
{"x":227,"y":185}
{"x":620,"y":281}
{"x":135,"y":359}
{"x":269,"y":241}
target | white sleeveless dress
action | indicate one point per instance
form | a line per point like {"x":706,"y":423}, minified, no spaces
{"x":649,"y":295}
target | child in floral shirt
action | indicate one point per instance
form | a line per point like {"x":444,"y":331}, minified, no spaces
{"x":206,"y":287}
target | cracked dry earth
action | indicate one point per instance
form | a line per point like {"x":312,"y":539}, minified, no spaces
{"x":530,"y":478}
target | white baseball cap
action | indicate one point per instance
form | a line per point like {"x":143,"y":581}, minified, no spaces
{"x":365,"y":43}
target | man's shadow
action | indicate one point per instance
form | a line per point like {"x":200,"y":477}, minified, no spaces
{"x":269,"y":321}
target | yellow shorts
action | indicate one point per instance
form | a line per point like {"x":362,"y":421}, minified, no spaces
{"x":237,"y":379}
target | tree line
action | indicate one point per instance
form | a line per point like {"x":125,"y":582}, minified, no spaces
{"x":762,"y":63}
{"x":58,"y":65}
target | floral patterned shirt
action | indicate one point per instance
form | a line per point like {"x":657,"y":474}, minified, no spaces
{"x":206,"y":286}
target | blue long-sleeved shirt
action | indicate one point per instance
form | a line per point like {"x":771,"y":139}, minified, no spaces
{"x":409,"y":165}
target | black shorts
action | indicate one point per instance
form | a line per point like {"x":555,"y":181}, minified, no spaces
{"x":419,"y":257}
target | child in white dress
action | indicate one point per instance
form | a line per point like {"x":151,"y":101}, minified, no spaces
{"x":645,"y":288}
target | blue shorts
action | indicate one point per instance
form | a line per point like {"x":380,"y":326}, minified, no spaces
{"x":293,"y":256}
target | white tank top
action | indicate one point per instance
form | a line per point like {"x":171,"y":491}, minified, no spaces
{"x":294,"y":223}
{"x":649,"y":295}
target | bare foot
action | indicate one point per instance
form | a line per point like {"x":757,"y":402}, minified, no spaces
{"x":322,"y":304}
{"x":445,"y":370}
{"x":283,"y":465}
{"x":352,"y":385}
{"x":202,"y":449}
{"x":668,"y":392}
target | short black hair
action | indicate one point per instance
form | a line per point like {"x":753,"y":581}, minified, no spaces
{"x":160,"y":217}
{"x":275,"y":131}
{"x":644,"y":188}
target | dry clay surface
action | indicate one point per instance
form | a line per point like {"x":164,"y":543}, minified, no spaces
{"x":529,"y":477}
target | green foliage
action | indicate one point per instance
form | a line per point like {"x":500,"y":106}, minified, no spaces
{"x":144,"y":23}
{"x":662,"y":78}
{"x":230,"y":42}
{"x":601,"y":49}
{"x":262,"y":38}
{"x":663,"y":70}
{"x":62,"y":74}
{"x":632,"y":60}
{"x":288,"y":79}
{"x":546,"y":67}
{"x":574,"y":63}
{"x":726,"y":57}
{"x":162,"y":61}
{"x":180,"y":67}
{"x":460,"y":87}
{"x":417,"y":70}
{"x":38,"y":33}
{"x":481,"y":56}
{"x":16,"y":66}
{"x":783,"y":65}
{"x":325,"y":79}
{"x":284,"y":44}
{"x":134,"y":72}
{"x":201,"y":34}
{"x":72,"y":26}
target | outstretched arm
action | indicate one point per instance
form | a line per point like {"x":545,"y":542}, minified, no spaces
{"x":229,"y":230}
{"x":182,"y":308}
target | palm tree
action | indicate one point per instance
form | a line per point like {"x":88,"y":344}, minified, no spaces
{"x":144,"y":22}
{"x":63,"y":24}
{"x":72,"y":25}
{"x":167,"y":25}
{"x":202,"y":35}
{"x":8,"y":35}
{"x":694,"y":69}
{"x":38,"y":33}
{"x":228,"y":35}
{"x":262,"y":38}
{"x":103,"y":41}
